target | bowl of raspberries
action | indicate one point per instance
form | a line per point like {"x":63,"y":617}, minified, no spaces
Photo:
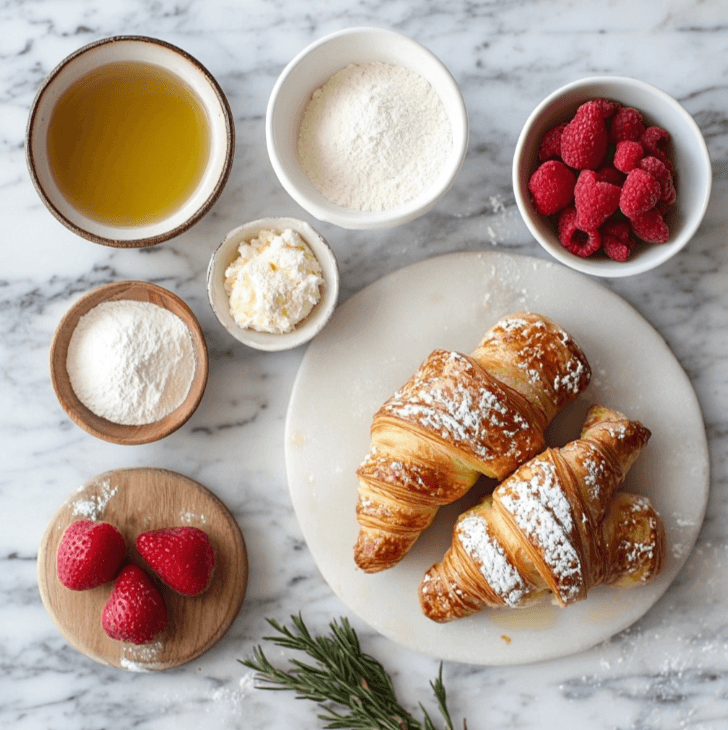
{"x":612,"y":176}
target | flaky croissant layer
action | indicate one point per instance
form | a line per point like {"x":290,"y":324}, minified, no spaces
{"x":456,"y":418}
{"x":553,"y":527}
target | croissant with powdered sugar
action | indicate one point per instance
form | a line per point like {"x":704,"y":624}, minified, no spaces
{"x":554,"y":527}
{"x":456,"y":418}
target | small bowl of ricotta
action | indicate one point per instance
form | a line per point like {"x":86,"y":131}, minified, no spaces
{"x":273,"y":283}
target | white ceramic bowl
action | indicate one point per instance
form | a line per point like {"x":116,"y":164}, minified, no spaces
{"x":227,"y":251}
{"x":192,"y":73}
{"x":690,"y":156}
{"x":310,"y":70}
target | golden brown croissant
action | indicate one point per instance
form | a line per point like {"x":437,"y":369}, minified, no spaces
{"x":459,"y":417}
{"x":554,"y":526}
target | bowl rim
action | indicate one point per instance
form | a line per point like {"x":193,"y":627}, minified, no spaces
{"x":591,"y":266}
{"x":367,"y":220}
{"x":319,"y":316}
{"x":98,"y":426}
{"x":204,"y":207}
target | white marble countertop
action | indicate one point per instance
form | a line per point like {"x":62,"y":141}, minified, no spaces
{"x":669,"y":670}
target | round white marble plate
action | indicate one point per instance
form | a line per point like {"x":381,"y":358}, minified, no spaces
{"x":371,"y":347}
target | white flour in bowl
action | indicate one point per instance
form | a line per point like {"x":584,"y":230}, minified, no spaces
{"x":131,"y":362}
{"x":374,"y":136}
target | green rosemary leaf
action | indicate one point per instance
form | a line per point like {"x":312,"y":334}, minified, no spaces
{"x":343,"y":676}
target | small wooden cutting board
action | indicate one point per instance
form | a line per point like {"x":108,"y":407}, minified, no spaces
{"x":135,"y":501}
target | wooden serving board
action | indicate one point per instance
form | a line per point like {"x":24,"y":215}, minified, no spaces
{"x":135,"y":501}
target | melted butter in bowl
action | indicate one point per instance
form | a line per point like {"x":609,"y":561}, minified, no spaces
{"x":104,"y":140}
{"x":273,"y":283}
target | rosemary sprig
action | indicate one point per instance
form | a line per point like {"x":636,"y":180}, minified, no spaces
{"x":343,"y":675}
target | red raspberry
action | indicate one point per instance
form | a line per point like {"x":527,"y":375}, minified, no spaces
{"x":656,"y":142}
{"x":658,"y":170}
{"x":550,"y":147}
{"x":627,"y":155}
{"x":595,"y":201}
{"x":640,"y":192}
{"x":580,"y":243}
{"x":616,"y":240}
{"x":584,"y":140}
{"x":552,"y":187}
{"x":627,"y":124}
{"x":605,"y":107}
{"x":611,"y":175}
{"x":617,"y":250}
{"x":616,"y":228}
{"x":651,"y":227}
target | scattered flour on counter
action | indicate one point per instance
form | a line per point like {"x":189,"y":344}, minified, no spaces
{"x":232,"y":697}
{"x":496,"y":202}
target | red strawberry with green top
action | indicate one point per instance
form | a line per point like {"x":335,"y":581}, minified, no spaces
{"x":181,"y":556}
{"x":89,"y":554}
{"x":135,"y":610}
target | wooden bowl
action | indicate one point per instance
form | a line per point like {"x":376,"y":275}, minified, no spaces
{"x":100,"y":427}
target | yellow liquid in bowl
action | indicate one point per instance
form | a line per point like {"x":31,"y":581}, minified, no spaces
{"x":128,"y":143}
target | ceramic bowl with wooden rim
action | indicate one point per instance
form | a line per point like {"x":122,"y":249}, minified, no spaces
{"x":122,"y":365}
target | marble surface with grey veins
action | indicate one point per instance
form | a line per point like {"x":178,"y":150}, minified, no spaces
{"x":667,"y":671}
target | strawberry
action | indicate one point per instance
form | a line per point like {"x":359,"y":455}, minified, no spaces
{"x":89,"y":554}
{"x":135,"y":610}
{"x":181,"y":556}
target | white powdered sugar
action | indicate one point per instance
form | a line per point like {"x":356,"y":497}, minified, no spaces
{"x":92,"y":506}
{"x":635,"y":553}
{"x":542,"y":337}
{"x":141,"y":658}
{"x":570,"y":380}
{"x":456,"y":411}
{"x":131,"y":362}
{"x":410,"y":475}
{"x":542,"y":511}
{"x":594,"y":476}
{"x":374,"y":136}
{"x":502,"y":576}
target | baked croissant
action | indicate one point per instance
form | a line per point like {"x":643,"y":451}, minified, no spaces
{"x":456,"y":418}
{"x":554,"y":526}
